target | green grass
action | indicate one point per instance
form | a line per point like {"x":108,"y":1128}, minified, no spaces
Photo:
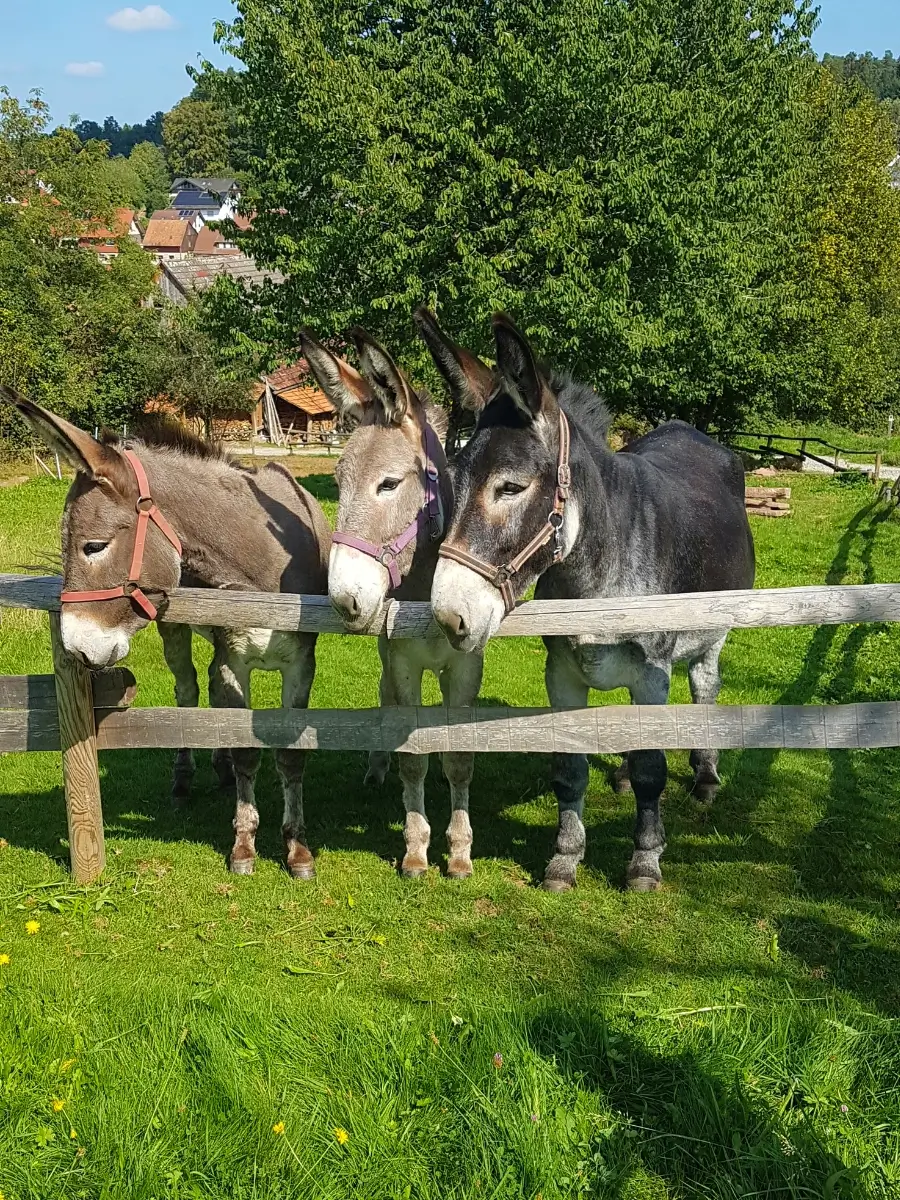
{"x":735,"y":1035}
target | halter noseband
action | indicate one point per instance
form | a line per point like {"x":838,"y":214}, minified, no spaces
{"x":429,"y":515}
{"x":147,"y":512}
{"x":501,"y":576}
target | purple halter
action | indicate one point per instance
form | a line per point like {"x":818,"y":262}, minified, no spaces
{"x":428,"y":516}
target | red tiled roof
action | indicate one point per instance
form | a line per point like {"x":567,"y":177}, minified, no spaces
{"x":290,"y":376}
{"x":208,"y":242}
{"x":308,"y":399}
{"x":165,"y":234}
{"x":120,"y":225}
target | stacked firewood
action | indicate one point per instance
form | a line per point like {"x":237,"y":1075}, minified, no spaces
{"x":768,"y":502}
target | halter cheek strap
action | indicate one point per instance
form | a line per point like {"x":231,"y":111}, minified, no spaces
{"x":429,"y":517}
{"x":501,"y":577}
{"x":146,"y":512}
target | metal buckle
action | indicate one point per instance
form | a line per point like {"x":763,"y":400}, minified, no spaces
{"x":502,"y":575}
{"x":144,"y":500}
{"x":386,"y":556}
{"x":563,"y":476}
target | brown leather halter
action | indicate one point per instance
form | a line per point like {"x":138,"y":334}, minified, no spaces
{"x":501,"y":577}
{"x":147,"y":512}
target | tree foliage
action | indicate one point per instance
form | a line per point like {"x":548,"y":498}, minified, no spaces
{"x":195,"y":133}
{"x":612,"y":174}
{"x":149,"y":164}
{"x":122,"y":139}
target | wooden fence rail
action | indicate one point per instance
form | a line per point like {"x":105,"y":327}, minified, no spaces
{"x":80,"y":714}
{"x":611,"y":617}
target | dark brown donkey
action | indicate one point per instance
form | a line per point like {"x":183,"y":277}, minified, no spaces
{"x":394,"y":493}
{"x":142,"y":518}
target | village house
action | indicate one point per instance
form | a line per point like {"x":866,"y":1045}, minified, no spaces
{"x":104,"y":239}
{"x":168,"y":239}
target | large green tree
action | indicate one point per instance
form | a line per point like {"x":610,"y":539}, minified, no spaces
{"x":149,"y":164}
{"x":610,"y":173}
{"x":195,"y":134}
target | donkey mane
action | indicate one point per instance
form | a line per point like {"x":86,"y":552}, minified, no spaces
{"x":435,"y":414}
{"x":165,"y":434}
{"x":584,"y":405}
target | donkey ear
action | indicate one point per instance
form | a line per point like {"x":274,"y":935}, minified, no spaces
{"x":342,"y":384}
{"x":392,"y":392}
{"x":469,"y":380}
{"x":522,"y":377}
{"x":81,"y":451}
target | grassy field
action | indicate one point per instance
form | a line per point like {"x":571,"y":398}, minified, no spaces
{"x":174,"y":1033}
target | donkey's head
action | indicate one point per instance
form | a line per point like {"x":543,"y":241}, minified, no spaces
{"x":505,"y":481}
{"x":98,"y":539}
{"x":389,"y":491}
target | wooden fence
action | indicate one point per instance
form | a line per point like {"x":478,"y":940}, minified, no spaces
{"x":80,"y":713}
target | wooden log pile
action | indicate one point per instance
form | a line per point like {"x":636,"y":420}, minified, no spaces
{"x":768,"y":502}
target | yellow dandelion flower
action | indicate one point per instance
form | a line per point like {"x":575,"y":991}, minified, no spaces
{"x":278,"y":1127}
{"x":32,"y":927}
{"x":342,"y":1136}
{"x":4,"y":960}
{"x":63,"y":1067}
{"x":72,"y":1134}
{"x":58,"y":1105}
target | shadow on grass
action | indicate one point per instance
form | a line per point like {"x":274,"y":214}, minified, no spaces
{"x":323,"y":487}
{"x":674,"y":1123}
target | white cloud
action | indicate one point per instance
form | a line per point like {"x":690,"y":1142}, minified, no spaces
{"x":134,"y":20}
{"x":87,"y":69}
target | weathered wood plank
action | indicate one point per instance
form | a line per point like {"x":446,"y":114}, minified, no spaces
{"x":601,"y":730}
{"x":111,"y":689}
{"x":776,"y":493}
{"x":612,"y":616}
{"x":81,"y":774}
{"x":604,"y":729}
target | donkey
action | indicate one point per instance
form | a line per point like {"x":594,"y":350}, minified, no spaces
{"x":216,"y":525}
{"x":394,"y":493}
{"x":540,"y":496}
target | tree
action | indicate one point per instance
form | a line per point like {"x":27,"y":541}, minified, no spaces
{"x":196,"y":138}
{"x":122,"y":138}
{"x":149,"y":164}
{"x":839,"y":350}
{"x":611,"y":174}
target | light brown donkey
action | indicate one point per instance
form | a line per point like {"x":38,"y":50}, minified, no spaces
{"x":143,"y":517}
{"x":394,"y":494}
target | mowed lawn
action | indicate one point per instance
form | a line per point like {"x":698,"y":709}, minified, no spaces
{"x":174,"y":1032}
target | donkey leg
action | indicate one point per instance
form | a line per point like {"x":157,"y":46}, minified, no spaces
{"x":229,"y":687}
{"x":380,"y":760}
{"x":296,"y":684}
{"x":647,"y":770}
{"x":566,"y":689}
{"x":621,"y":782}
{"x":406,"y":686}
{"x":176,"y":644}
{"x":460,"y":682}
{"x":705,"y":681}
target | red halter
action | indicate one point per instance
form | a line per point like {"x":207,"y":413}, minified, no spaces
{"x":428,"y":515}
{"x":147,"y":512}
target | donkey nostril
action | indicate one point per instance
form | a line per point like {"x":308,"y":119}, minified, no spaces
{"x":347,"y":606}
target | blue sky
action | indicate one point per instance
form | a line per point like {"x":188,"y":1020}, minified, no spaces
{"x":100,"y":57}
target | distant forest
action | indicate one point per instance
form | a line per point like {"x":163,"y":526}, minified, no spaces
{"x":880,"y":76}
{"x":122,"y":138}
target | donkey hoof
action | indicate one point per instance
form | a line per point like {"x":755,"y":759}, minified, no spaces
{"x":644,"y":883}
{"x":555,"y":884}
{"x":458,"y":870}
{"x":302,"y":871}
{"x":705,"y":793}
{"x":242,"y":866}
{"x":413,"y":870}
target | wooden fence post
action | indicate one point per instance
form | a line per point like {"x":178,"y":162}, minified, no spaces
{"x":81,"y":773}
{"x":876,"y":474}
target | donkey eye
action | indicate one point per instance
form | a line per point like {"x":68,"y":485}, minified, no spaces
{"x":388,"y":485}
{"x":94,"y":548}
{"x":510,"y":489}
